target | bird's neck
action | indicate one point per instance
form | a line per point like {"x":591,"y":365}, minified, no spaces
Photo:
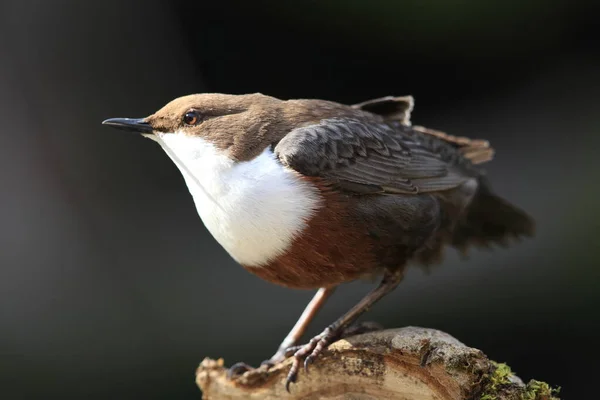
{"x":254,"y":208}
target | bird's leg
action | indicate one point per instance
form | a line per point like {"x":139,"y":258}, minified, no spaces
{"x":299,"y":328}
{"x":312,"y":349}
{"x":295,"y":334}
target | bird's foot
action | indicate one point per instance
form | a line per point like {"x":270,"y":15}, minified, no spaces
{"x":308,"y":353}
{"x":316,"y":345}
{"x":240,"y":368}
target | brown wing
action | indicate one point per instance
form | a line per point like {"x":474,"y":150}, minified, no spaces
{"x":399,"y":109}
{"x":366,"y":157}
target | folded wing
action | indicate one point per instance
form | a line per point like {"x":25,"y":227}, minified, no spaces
{"x":364,"y":156}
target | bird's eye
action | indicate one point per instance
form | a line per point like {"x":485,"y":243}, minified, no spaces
{"x":191,"y":118}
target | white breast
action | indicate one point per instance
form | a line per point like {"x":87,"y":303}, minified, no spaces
{"x":254,"y":208}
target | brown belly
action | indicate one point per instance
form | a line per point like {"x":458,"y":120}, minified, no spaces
{"x":334,"y":248}
{"x":320,"y":259}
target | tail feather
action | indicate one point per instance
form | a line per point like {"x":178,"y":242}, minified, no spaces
{"x":489,"y":220}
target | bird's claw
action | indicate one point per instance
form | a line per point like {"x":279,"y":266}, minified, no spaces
{"x":238,"y":369}
{"x":309,"y":352}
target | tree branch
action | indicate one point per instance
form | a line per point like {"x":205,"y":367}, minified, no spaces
{"x":406,"y":363}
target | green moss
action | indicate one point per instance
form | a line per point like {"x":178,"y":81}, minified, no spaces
{"x":498,"y":378}
{"x":488,"y":397}
{"x":537,"y":390}
{"x":501,"y":375}
{"x":498,"y":381}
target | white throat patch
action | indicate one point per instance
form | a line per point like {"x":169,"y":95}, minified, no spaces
{"x":253,"y":208}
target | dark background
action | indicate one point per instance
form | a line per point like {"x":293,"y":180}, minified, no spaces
{"x":110,"y":286}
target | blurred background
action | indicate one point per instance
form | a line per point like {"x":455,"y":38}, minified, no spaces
{"x":110,"y":286}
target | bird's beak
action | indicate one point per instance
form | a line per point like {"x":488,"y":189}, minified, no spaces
{"x":138,"y":125}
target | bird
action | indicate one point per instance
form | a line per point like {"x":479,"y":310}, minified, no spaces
{"x":313,"y":194}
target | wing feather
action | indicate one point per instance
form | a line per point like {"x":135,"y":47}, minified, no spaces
{"x":398,"y":110}
{"x":366,"y":157}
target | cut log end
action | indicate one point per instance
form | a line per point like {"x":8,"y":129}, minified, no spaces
{"x":406,"y":363}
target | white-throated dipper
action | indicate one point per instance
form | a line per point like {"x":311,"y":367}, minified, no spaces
{"x":312,"y":194}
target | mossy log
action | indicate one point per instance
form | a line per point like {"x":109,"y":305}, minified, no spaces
{"x":407,"y":363}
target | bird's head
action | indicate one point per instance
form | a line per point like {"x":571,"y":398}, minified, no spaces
{"x":237,"y":125}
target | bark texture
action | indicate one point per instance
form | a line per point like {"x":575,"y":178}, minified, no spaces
{"x":409,"y":363}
